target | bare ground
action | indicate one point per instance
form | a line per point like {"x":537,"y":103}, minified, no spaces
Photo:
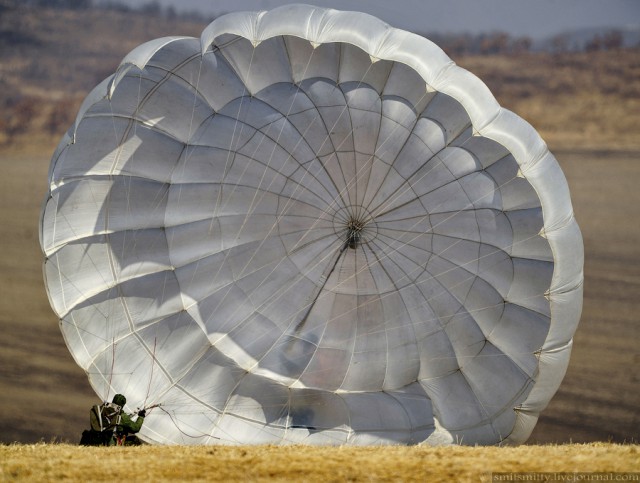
{"x":600,"y":396}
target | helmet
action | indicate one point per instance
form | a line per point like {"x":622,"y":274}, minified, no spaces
{"x":120,"y":400}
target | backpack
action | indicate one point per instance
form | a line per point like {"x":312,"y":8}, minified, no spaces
{"x":105,"y":417}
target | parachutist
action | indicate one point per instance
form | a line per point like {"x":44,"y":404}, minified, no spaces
{"x":111,"y":426}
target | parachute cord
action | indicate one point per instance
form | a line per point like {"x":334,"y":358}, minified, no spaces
{"x":280,"y":293}
{"x":193,"y":112}
{"x":153,"y":363}
{"x":325,"y":211}
{"x":231,"y":155}
{"x":328,"y":138}
{"x":395,"y":249}
{"x":113,"y":362}
{"x":231,"y":151}
{"x":287,"y":204}
{"x":181,"y":431}
{"x":310,"y":306}
{"x":253,"y":205}
{"x":335,"y":201}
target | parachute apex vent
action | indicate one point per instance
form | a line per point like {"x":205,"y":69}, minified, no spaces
{"x":355,"y":226}
{"x":355,"y":232}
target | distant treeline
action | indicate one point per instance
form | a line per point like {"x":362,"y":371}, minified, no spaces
{"x":502,"y":43}
{"x":150,"y":8}
{"x":481,"y":44}
{"x":453,"y":44}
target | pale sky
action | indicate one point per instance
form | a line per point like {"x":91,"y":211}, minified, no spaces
{"x":533,"y":18}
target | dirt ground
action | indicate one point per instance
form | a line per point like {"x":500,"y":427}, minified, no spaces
{"x":600,"y":396}
{"x":45,"y":396}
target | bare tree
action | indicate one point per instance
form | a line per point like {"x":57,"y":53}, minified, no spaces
{"x":613,"y":40}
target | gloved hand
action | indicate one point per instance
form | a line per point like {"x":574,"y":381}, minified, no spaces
{"x":142,"y":413}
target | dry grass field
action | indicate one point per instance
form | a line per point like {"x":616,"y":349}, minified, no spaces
{"x":45,"y":462}
{"x":587,"y":107}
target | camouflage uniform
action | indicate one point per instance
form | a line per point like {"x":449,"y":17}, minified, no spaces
{"x":120,"y":436}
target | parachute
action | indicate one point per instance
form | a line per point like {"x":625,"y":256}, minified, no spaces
{"x":310,"y":227}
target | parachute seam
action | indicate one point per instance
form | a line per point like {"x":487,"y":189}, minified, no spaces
{"x":439,"y":162}
{"x":286,"y":207}
{"x":290,"y":286}
{"x":350,"y":182}
{"x":231,"y":158}
{"x":347,"y":109}
{"x":386,"y":327}
{"x":390,"y":166}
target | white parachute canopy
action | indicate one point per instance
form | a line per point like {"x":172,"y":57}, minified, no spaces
{"x":310,"y":227}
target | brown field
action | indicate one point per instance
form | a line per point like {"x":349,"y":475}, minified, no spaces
{"x":587,"y":106}
{"x":45,"y":462}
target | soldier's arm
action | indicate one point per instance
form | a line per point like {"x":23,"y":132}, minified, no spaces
{"x":129,"y":425}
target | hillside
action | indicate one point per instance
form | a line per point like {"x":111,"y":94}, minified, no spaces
{"x":52,"y":58}
{"x":586,"y":106}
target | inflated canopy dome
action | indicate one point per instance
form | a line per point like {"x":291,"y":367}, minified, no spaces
{"x":309,"y":226}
